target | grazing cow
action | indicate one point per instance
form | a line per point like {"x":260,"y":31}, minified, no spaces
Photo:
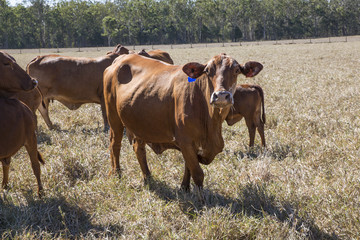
{"x":248,"y":104}
{"x":157,"y":54}
{"x":158,"y":106}
{"x":73,"y":81}
{"x":16,"y":119}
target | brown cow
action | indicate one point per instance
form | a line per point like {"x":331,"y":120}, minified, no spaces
{"x":248,"y":104}
{"x":157,"y":105}
{"x":32,"y":99}
{"x":157,"y":54}
{"x":73,"y":81}
{"x":16,"y":119}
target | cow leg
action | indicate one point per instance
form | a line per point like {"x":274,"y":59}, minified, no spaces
{"x":35,"y":121}
{"x":140,"y":151}
{"x":116,"y":135}
{"x":35,"y":159}
{"x":251,"y":128}
{"x":260,"y":128}
{"x":103,"y":111}
{"x":185,"y":185}
{"x":6,"y":167}
{"x":197,"y":174}
{"x":44,"y":111}
{"x":193,"y":166}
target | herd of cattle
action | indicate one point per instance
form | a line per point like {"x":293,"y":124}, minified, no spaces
{"x":144,"y":93}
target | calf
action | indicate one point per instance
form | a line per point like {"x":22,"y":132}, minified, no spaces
{"x":249,"y":103}
{"x":16,"y":119}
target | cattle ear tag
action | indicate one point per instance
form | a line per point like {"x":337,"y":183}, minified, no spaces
{"x":191,"y":79}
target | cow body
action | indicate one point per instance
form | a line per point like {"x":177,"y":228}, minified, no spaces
{"x":158,"y":106}
{"x":32,"y":99}
{"x":16,"y":119}
{"x":249,"y":104}
{"x":73,"y":81}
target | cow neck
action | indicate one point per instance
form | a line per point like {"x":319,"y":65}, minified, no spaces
{"x":6,"y":95}
{"x":212,"y":140}
{"x":215,"y":114}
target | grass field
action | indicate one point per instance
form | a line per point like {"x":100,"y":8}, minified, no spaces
{"x":304,"y":185}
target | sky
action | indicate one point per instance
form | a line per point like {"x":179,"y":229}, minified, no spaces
{"x":15,"y":2}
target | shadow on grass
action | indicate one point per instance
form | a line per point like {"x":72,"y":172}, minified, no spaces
{"x":253,"y":200}
{"x":49,"y":218}
{"x":43,"y":138}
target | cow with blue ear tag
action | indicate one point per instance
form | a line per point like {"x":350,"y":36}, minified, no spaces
{"x":163,"y":106}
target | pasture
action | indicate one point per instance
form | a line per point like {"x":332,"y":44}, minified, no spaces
{"x":304,"y":185}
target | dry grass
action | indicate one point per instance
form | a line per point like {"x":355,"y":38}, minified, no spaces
{"x":305,"y":185}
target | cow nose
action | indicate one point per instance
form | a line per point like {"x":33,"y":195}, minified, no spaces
{"x":34,"y":82}
{"x":221,"y":99}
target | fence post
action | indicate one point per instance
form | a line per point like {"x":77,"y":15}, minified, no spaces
{"x":20,"y":50}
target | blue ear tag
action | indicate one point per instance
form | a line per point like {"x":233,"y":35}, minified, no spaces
{"x":191,"y":79}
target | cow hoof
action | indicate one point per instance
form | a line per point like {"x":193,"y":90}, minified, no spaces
{"x":148,"y":180}
{"x":185,"y":188}
{"x":200,"y":194}
{"x":116,"y":172}
{"x":41,"y":193}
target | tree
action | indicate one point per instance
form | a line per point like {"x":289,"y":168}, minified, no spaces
{"x":110,"y":28}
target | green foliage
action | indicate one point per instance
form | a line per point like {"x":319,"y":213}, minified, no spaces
{"x":79,"y":23}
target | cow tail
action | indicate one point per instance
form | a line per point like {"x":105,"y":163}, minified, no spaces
{"x":259,"y":89}
{"x":40,"y":158}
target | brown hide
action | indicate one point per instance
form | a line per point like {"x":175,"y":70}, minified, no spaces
{"x":249,"y":104}
{"x":73,"y":81}
{"x":158,"y":106}
{"x":32,"y":99}
{"x":16,"y":119}
{"x":157,"y":54}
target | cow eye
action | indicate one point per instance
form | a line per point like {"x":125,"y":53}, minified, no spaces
{"x":6,"y":64}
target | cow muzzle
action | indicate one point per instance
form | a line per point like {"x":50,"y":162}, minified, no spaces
{"x":221,"y":99}
{"x":34,"y":83}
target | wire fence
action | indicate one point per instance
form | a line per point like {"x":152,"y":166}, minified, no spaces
{"x":190,"y":45}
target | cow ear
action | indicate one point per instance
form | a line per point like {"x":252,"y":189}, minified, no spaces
{"x":193,"y":69}
{"x":143,"y":53}
{"x":251,"y":69}
{"x":123,"y":50}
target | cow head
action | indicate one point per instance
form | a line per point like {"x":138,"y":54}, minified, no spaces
{"x":119,"y":50}
{"x":144,"y":53}
{"x":12,"y":77}
{"x":222,"y":71}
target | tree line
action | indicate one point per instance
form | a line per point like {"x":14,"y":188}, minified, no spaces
{"x":79,"y":23}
